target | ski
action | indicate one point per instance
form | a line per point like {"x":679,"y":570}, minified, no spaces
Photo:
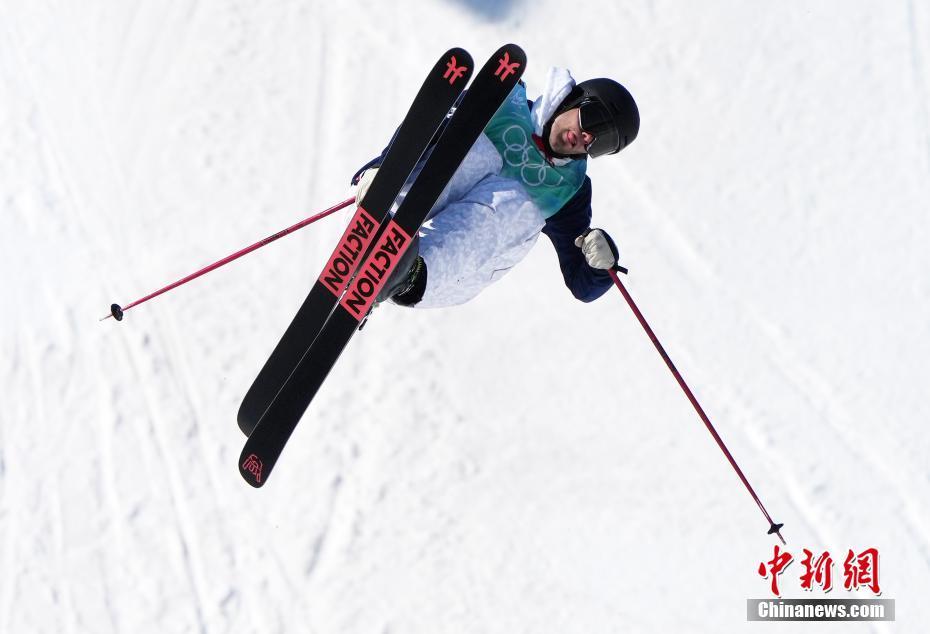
{"x":492,"y":84}
{"x":430,"y":107}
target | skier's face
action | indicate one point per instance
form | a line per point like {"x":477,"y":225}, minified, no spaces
{"x":566,"y":135}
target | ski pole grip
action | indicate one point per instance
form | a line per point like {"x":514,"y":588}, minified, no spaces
{"x":616,"y":267}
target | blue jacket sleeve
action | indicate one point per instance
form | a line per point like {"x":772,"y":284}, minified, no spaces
{"x":375,"y":162}
{"x":585,"y":283}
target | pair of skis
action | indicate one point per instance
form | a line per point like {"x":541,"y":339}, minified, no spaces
{"x":372,"y":245}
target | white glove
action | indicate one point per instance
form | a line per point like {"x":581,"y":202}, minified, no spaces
{"x":364,"y":182}
{"x":596,"y":249}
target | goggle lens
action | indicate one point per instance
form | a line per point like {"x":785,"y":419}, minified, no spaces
{"x":596,"y":121}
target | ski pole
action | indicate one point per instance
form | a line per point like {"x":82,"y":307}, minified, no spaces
{"x":116,"y":311}
{"x":773,"y":527}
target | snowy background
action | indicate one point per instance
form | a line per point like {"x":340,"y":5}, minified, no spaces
{"x":499,"y":472}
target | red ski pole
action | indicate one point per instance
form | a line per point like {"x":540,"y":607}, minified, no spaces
{"x":116,"y":311}
{"x":774,"y":529}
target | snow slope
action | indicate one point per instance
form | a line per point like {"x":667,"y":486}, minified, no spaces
{"x":470,"y":469}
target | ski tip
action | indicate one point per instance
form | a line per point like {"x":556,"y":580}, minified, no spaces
{"x":513,"y":49}
{"x":507,"y":64}
{"x":456,"y":66}
{"x":458,"y":52}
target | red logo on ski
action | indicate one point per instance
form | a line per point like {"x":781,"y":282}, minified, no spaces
{"x":453,"y":71}
{"x":254,"y":466}
{"x":375,"y":271}
{"x":353,"y":244}
{"x":506,"y":67}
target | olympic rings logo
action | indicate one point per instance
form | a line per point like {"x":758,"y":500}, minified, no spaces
{"x":517,"y":154}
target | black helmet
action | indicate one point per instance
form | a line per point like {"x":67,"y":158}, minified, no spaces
{"x":608,"y":112}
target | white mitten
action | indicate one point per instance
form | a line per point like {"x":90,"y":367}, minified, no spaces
{"x":364,"y":182}
{"x":596,"y":248}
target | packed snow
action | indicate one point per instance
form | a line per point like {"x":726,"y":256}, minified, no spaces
{"x":521,"y":463}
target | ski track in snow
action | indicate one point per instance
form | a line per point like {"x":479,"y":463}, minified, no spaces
{"x":477,"y":468}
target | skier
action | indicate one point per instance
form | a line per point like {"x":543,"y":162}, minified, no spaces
{"x":525,"y":175}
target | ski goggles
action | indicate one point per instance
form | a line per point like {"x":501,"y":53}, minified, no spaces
{"x":595,"y":119}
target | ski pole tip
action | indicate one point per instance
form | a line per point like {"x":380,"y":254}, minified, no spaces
{"x":116,"y":312}
{"x":775,"y":529}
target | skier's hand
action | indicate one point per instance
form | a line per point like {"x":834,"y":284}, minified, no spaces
{"x":364,"y":182}
{"x":597,"y":248}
